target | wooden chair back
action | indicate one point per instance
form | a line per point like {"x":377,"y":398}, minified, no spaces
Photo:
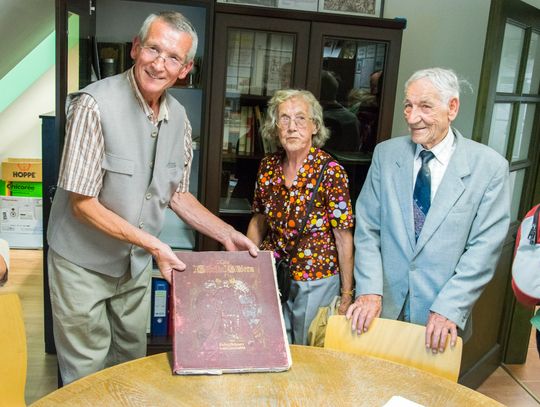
{"x":396,"y":341}
{"x":12,"y":351}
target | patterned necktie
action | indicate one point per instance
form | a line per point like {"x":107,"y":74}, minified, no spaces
{"x":422,"y":193}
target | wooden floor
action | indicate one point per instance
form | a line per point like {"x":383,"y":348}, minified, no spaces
{"x":516,"y":385}
{"x":513,"y":385}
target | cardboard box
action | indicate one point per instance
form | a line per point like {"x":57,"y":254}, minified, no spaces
{"x":15,"y":188}
{"x":21,"y":221}
{"x":22,"y":169}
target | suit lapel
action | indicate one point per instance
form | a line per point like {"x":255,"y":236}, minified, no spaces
{"x":402,"y":176}
{"x":450,"y":189}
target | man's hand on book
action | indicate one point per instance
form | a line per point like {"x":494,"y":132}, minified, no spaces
{"x":238,"y":241}
{"x":167,"y":261}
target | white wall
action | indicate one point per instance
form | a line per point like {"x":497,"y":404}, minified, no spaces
{"x":20,"y":125}
{"x":442,"y":33}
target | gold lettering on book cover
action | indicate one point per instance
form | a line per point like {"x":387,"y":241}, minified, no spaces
{"x":222,"y":267}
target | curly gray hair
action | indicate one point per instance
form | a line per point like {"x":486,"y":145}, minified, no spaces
{"x":270,"y":130}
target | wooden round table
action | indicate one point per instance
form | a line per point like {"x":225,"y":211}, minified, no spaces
{"x":318,"y":377}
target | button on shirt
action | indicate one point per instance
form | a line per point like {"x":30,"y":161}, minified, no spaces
{"x":80,"y":169}
{"x":437,"y":166}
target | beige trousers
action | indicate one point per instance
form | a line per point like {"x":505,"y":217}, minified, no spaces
{"x":98,"y":321}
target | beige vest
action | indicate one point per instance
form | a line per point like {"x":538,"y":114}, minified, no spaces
{"x":142,"y":165}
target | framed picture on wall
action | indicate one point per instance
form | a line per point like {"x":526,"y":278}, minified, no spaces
{"x":264,"y":3}
{"x":368,"y":8}
{"x":307,"y":5}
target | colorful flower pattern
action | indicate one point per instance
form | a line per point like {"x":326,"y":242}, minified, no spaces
{"x":316,"y":255}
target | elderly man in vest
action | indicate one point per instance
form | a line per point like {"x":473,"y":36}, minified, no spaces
{"x":126,"y":158}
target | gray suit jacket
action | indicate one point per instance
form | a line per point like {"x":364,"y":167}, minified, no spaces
{"x":460,"y":243}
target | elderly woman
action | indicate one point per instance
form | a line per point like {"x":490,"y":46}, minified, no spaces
{"x":322,"y":258}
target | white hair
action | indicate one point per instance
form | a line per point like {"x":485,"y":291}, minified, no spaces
{"x":444,"y":80}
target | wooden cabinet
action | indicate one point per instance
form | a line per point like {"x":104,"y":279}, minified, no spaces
{"x":349,"y":63}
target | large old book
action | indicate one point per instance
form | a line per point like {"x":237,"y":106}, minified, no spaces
{"x":227,"y":315}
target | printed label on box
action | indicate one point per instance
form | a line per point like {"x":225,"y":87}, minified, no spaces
{"x":21,"y":215}
{"x":22,"y":169}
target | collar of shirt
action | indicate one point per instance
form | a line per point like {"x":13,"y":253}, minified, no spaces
{"x":442,"y":151}
{"x":163,"y":109}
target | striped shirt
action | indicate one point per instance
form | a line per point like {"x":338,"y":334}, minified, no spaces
{"x":80,"y":169}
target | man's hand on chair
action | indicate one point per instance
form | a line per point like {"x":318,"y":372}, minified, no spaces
{"x":437,"y":329}
{"x":363,"y":311}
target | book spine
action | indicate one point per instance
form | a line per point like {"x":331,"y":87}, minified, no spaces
{"x":160,"y":294}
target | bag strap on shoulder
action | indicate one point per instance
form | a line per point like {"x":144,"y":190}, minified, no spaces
{"x":304,"y":220}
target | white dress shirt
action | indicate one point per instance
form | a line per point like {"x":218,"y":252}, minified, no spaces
{"x":437,"y":166}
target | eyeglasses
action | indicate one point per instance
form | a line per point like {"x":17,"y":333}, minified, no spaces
{"x":153,"y":53}
{"x":285,"y":121}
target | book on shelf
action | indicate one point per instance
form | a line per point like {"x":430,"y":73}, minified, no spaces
{"x":260,"y":121}
{"x":258,"y":143}
{"x":160,"y":307}
{"x":243,"y":141}
{"x":246,"y":142}
{"x":242,"y":129}
{"x":250,"y":145}
{"x":266,"y":146}
{"x":227,"y":315}
{"x":226,"y":128}
{"x":234,"y":129}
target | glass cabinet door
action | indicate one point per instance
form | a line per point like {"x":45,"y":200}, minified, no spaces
{"x":356,"y":86}
{"x":258,"y":64}
{"x":258,"y":56}
{"x":351,"y":77}
{"x":365,"y":62}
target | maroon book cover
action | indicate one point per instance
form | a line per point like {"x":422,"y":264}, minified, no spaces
{"x":227,"y":315}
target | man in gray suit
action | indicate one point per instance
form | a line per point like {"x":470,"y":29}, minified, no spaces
{"x":431,"y":218}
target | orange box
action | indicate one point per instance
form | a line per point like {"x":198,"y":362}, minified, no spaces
{"x":22,"y":169}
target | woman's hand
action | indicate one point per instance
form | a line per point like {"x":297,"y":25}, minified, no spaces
{"x":346,"y":300}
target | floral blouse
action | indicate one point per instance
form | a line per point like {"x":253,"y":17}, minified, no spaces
{"x":316,"y":254}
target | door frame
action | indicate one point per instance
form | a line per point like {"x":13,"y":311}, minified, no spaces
{"x":85,"y":9}
{"x":515,"y":327}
